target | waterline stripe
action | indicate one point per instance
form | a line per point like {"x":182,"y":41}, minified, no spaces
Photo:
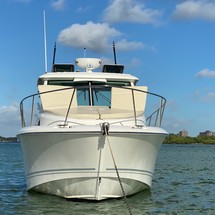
{"x":60,"y":171}
{"x":85,"y":170}
{"x":131,"y":170}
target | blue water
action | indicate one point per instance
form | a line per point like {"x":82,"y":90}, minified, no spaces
{"x":184,"y":183}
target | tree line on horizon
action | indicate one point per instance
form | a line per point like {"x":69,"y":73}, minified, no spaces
{"x":170,"y":139}
{"x":176,"y":139}
{"x":8,"y":139}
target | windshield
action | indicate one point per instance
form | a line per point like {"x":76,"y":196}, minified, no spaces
{"x":88,"y":95}
{"x":94,"y":97}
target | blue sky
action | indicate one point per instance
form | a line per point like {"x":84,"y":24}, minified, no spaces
{"x":168,"y":44}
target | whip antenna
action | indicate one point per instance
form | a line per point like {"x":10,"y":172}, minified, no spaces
{"x":84,"y":52}
{"x":114,"y":53}
{"x":53,"y":60}
{"x":45,"y":48}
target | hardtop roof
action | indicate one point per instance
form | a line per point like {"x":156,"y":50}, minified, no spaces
{"x":88,"y":76}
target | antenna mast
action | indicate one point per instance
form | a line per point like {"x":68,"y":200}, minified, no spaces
{"x":114,"y":53}
{"x":45,"y":47}
{"x":53,"y":61}
{"x":84,"y":52}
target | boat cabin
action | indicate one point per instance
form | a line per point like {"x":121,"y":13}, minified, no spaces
{"x":109,"y":89}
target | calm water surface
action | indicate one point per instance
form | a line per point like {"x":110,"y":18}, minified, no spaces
{"x":184,"y":183}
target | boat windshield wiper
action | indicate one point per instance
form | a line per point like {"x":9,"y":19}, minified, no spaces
{"x":96,"y":94}
{"x":102,"y":96}
{"x":82,"y":92}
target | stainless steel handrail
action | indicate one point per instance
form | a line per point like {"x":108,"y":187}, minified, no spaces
{"x":157,"y":114}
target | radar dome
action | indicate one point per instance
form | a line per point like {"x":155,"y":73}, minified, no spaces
{"x":88,"y":63}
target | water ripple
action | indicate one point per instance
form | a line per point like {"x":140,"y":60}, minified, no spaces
{"x":183,"y":184}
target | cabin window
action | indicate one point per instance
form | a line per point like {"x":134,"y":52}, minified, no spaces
{"x":119,"y":83}
{"x":87,"y":94}
{"x":61,"y":82}
{"x":94,"y":96}
{"x":99,"y":97}
{"x":72,"y":83}
{"x":102,"y":97}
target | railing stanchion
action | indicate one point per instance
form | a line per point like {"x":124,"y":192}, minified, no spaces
{"x":32,"y":110}
{"x":135,"y":114}
{"x":22,"y":114}
{"x":70,"y":103}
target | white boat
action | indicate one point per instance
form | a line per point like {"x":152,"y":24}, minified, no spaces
{"x":90,"y":134}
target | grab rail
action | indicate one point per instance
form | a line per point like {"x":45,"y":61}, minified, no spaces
{"x":152,"y":119}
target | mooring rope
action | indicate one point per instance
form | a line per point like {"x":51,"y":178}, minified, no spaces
{"x":105,"y":131}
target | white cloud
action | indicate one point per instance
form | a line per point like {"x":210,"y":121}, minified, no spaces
{"x":82,"y":9}
{"x":201,"y":9}
{"x":9,"y":120}
{"x":58,"y":4}
{"x":174,"y":124}
{"x":204,"y":95}
{"x":126,"y":45}
{"x":172,"y":106}
{"x":210,"y":96}
{"x":95,"y":36}
{"x":206,"y":73}
{"x":8,"y":111}
{"x":131,"y":11}
{"x":106,"y":60}
{"x":135,"y":62}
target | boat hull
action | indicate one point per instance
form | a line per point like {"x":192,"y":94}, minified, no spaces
{"x":74,"y":164}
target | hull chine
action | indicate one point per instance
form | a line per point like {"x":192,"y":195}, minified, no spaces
{"x":88,"y":190}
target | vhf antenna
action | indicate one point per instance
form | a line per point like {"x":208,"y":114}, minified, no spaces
{"x":85,"y":52}
{"x":53,"y":60}
{"x":45,"y":48}
{"x":114,"y":52}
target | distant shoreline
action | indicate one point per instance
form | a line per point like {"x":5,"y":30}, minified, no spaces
{"x":175,"y":139}
{"x":8,"y":140}
{"x":170,"y":139}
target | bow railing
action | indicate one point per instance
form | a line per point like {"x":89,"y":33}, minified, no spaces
{"x":114,"y":97}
